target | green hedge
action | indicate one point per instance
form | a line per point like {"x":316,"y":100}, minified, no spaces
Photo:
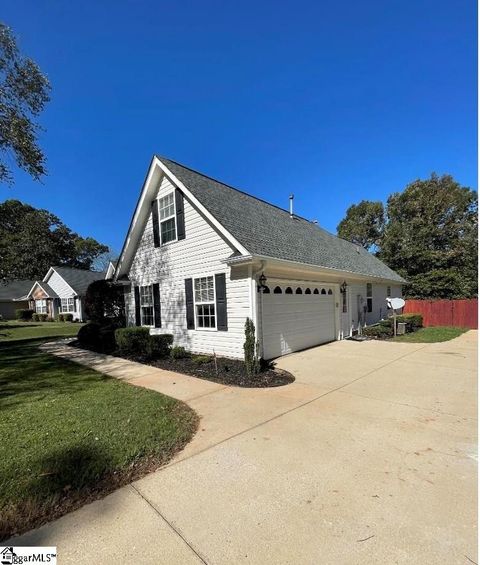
{"x":384,"y":328}
{"x":132,"y":340}
{"x":158,"y":346}
{"x":378,"y":330}
{"x":40,"y":317}
{"x":179,"y":352}
{"x":138,"y":341}
{"x":24,"y":314}
{"x":67,"y":317}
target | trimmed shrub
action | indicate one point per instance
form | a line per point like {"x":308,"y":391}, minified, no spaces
{"x":201,"y":359}
{"x":106,"y":337}
{"x":40,"y":317}
{"x":132,"y":340}
{"x":24,"y":314}
{"x":179,"y":352}
{"x":413,"y":321}
{"x":159,"y":346}
{"x":89,"y":335}
{"x":378,"y":331}
{"x":67,"y":317}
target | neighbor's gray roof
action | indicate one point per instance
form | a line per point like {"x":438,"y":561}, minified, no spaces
{"x":12,"y":290}
{"x":48,"y":289}
{"x":79,"y":279}
{"x":265,"y":229}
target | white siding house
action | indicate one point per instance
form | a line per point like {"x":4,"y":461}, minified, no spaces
{"x":62,"y":291}
{"x":200,"y":257}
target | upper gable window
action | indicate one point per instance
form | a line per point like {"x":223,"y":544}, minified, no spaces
{"x":168,"y":227}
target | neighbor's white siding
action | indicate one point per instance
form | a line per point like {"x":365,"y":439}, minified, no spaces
{"x":63,"y":290}
{"x":199,"y":254}
{"x":59,"y":285}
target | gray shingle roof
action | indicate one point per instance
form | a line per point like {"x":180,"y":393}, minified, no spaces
{"x":48,"y":289}
{"x":79,"y":279}
{"x":264,"y":229}
{"x":12,"y":290}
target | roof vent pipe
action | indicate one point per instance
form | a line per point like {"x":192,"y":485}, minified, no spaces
{"x":291,"y":205}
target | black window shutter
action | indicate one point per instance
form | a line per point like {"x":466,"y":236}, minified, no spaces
{"x":137,"y":306}
{"x":156,"y":227}
{"x":179,"y":207}
{"x":221,"y":306}
{"x":189,"y":304}
{"x":156,"y":305}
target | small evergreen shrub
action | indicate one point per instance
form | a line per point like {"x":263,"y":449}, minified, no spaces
{"x":250,"y":349}
{"x":36,"y":317}
{"x":132,"y":341}
{"x":201,"y":359}
{"x":158,"y":346}
{"x":67,"y":317}
{"x":24,"y":314}
{"x":179,"y":352}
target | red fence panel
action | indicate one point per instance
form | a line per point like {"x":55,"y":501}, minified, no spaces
{"x":459,"y":313}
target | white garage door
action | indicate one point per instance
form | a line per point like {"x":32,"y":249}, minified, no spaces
{"x":296,"y":317}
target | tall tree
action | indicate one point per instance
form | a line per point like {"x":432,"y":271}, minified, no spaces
{"x":431,"y":238}
{"x":363,"y":224}
{"x":428,"y":235}
{"x":24,"y":91}
{"x":32,"y":240}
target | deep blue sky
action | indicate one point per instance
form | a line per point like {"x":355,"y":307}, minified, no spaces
{"x":334,"y":101}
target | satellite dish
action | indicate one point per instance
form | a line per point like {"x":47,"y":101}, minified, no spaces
{"x":395,"y":303}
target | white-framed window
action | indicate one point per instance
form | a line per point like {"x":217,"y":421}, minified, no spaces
{"x":369,"y":297}
{"x":168,"y":221}
{"x":146,"y":306}
{"x":67,"y":305}
{"x":41,"y":306}
{"x":204,"y":297}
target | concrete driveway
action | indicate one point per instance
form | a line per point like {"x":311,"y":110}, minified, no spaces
{"x":369,"y":457}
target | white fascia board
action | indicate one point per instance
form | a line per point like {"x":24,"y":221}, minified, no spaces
{"x":152,"y":180}
{"x":37,"y":283}
{"x":75,"y":293}
{"x":47,"y":276}
{"x":135,"y":219}
{"x":201,"y":207}
{"x":274,"y":262}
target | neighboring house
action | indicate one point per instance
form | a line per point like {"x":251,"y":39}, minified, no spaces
{"x":62,"y":290}
{"x":112,"y":265}
{"x":13,"y":296}
{"x":197,"y":251}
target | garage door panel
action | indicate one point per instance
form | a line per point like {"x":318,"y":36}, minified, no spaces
{"x":296,"y":321}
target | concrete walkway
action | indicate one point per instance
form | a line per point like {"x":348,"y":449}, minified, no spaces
{"x":369,"y":457}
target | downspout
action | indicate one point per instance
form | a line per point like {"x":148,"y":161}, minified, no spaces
{"x":257,"y":314}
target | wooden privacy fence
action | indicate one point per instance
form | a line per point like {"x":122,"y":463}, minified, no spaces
{"x":459,"y":313}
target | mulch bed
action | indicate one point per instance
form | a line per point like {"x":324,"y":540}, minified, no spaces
{"x":228,"y":371}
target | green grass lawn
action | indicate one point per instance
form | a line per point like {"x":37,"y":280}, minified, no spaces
{"x":13,"y":331}
{"x":431,"y":335}
{"x":70,"y":435}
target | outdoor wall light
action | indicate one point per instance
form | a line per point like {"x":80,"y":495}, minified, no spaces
{"x":261,"y":282}
{"x":343,"y":287}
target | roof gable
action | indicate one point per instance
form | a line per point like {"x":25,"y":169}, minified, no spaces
{"x":77,"y":279}
{"x":261,"y":229}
